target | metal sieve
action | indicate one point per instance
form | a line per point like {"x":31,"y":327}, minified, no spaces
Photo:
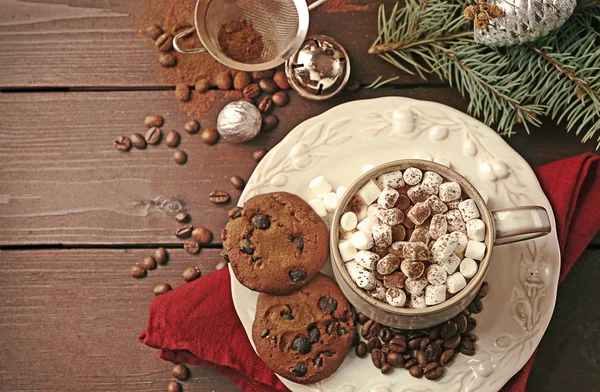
{"x":283,"y":25}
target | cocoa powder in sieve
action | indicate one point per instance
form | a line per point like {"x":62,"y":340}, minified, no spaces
{"x":240,"y":42}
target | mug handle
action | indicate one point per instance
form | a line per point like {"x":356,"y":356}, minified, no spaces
{"x":179,"y":36}
{"x":520,"y":224}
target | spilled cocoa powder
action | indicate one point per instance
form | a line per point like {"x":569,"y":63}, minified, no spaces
{"x":240,"y":42}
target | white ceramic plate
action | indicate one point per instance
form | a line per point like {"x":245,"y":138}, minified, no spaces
{"x":523,"y":277}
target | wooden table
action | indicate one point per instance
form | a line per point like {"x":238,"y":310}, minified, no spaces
{"x":75,"y":214}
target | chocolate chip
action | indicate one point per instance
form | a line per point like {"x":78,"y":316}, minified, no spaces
{"x":255,"y":259}
{"x":299,"y":241}
{"x":318,"y":361}
{"x":301,"y":344}
{"x":246,"y":246}
{"x":327,"y":304}
{"x":296,"y":275}
{"x":313,"y":334}
{"x":286,"y":314}
{"x":341,"y":330}
{"x":261,"y":221}
{"x":265,"y":333}
{"x":330,"y":327}
{"x":300,"y":369}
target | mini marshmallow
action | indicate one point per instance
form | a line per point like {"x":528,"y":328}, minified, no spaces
{"x":395,"y":297}
{"x":366,"y":259}
{"x":417,"y":194}
{"x":420,"y":234}
{"x":391,"y":217}
{"x":361,"y":276}
{"x":443,"y":248}
{"x":419,"y":213}
{"x":468,"y":268}
{"x":366,"y":225}
{"x":369,"y":192}
{"x":348,"y":221}
{"x":475,"y":250}
{"x":449,"y":191}
{"x":320,"y":186}
{"x":450,"y":264}
{"x":388,"y":264}
{"x":347,"y":251}
{"x":330,"y":201}
{"x":382,"y":235}
{"x":431,"y":182}
{"x":453,"y":205}
{"x":435,"y":294}
{"x":412,"y":269}
{"x":392,"y":179}
{"x":438,"y":226}
{"x":436,"y":275}
{"x":372,"y":211}
{"x":378,"y":292}
{"x":442,"y":161}
{"x":346,"y":235}
{"x":395,"y":279}
{"x":341,"y":191}
{"x":416,"y":251}
{"x":468,"y":209}
{"x":397,"y":248}
{"x":476,"y":230}
{"x":412,"y":176}
{"x":436,"y":205}
{"x":387,"y":198}
{"x":362,"y":240}
{"x":455,"y":283}
{"x":367,"y":167}
{"x":318,"y":206}
{"x":415,"y":286}
{"x":455,"y":221}
{"x":461,"y":239}
{"x":418,"y":301}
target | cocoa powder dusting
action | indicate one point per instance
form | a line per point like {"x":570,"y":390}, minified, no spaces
{"x":240,"y":42}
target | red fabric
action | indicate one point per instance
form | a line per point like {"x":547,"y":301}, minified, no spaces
{"x":197,"y":323}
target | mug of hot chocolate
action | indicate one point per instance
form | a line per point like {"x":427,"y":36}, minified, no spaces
{"x":412,"y":240}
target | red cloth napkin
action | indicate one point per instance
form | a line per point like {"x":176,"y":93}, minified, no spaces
{"x":197,"y":323}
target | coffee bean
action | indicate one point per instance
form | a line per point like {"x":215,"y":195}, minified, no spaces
{"x":468,"y":336}
{"x":461,"y":323}
{"x":161,"y":288}
{"x":424,"y":343}
{"x":446,"y":356}
{"x":466,"y":311}
{"x":300,"y":369}
{"x":167,"y":60}
{"x":218,"y":197}
{"x":182,"y":92}
{"x":430,"y":366}
{"x":439,"y":342}
{"x":415,"y":371}
{"x":259,"y":154}
{"x":241,"y":80}
{"x":268,"y":86}
{"x":149,"y":263}
{"x":453,"y":342}
{"x":415,"y":343}
{"x":182,"y":217}
{"x":191,"y":273}
{"x":161,"y":256}
{"x":184,"y":231}
{"x":122,"y":143}
{"x":265,"y":104}
{"x":137,"y":271}
{"x":180,"y":157}
{"x":365,"y":331}
{"x":224,"y":81}
{"x":153,"y":31}
{"x":172,"y":139}
{"x":385,"y":334}
{"x":386,"y":368}
{"x":422,"y":358}
{"x":361,"y":350}
{"x":373,"y":343}
{"x":395,"y":359}
{"x":269,"y":122}
{"x":202,"y":86}
{"x":246,"y":246}
{"x":301,"y":344}
{"x":191,"y":246}
{"x":297,"y":275}
{"x":448,"y":329}
{"x":466,"y":351}
{"x":164,"y":43}
{"x":209,"y":136}
{"x":202,"y":235}
{"x":280,"y":98}
{"x":249,"y":100}
{"x":397,"y":345}
{"x":261,"y":221}
{"x":191,"y":127}
{"x":352,"y":86}
{"x":153,"y":135}
{"x":377,"y":358}
{"x":435,"y":373}
{"x":181,"y":372}
{"x":235,"y":212}
{"x":263,"y":74}
{"x":362,"y":318}
{"x":471,"y":324}
{"x":281,"y":80}
{"x":174,"y":386}
{"x":477,"y":306}
{"x":251,"y":91}
{"x":468,"y":344}
{"x":138,"y":141}
{"x":154,"y":120}
{"x":408,"y":363}
{"x":435,"y":332}
{"x":237,"y":182}
{"x":483,"y":291}
{"x":434,"y":351}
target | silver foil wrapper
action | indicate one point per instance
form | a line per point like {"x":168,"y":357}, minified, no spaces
{"x":239,"y":122}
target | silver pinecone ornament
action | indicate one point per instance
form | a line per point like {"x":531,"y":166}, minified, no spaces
{"x":509,"y":22}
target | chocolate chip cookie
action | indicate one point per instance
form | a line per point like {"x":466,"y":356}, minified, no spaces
{"x":276,"y":243}
{"x":304,"y":336}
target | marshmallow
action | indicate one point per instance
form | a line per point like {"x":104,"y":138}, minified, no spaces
{"x":369,"y":192}
{"x":412,"y":176}
{"x":318,"y":206}
{"x":468,"y":209}
{"x":431,"y":182}
{"x":438,"y":226}
{"x":397,"y":248}
{"x":436,"y":205}
{"x":320,"y":186}
{"x":442,"y":161}
{"x":362,"y":240}
{"x":367,"y":167}
{"x":387,"y":198}
{"x":366,"y":225}
{"x":348,"y":221}
{"x":366,"y":259}
{"x":436,"y":275}
{"x":417,"y":194}
{"x":416,"y":251}
{"x":415,"y":286}
{"x":449,"y":191}
{"x":378,"y":292}
{"x":395,"y":279}
{"x":392,"y":216}
{"x":395,"y":297}
{"x":412,"y":269}
{"x":443,"y":248}
{"x":418,"y":301}
{"x":398,"y":233}
{"x":346,"y":235}
{"x":461,"y":240}
{"x":341,"y":191}
{"x":330,"y":201}
{"x":419,"y":213}
{"x":420,"y":234}
{"x":373,"y":210}
{"x":468,"y":268}
{"x":450,"y":264}
{"x":476,"y":230}
{"x":382,"y":235}
{"x":392,"y":179}
{"x":453,"y":205}
{"x":347,"y":251}
{"x":435,"y":294}
{"x":361,"y":276}
{"x":455,"y":221}
{"x":455,"y":283}
{"x":388,"y":264}
{"x":475,"y":250}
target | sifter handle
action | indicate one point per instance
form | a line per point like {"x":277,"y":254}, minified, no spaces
{"x":316,"y":4}
{"x":185,"y":33}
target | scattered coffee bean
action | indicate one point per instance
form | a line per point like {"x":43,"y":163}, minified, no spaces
{"x":182,"y":217}
{"x":422,"y":358}
{"x":414,"y":344}
{"x":434,"y":373}
{"x":153,"y":135}
{"x":172,"y":139}
{"x":182,"y":92}
{"x":452,"y":342}
{"x":191,"y":246}
{"x":184,"y":231}
{"x":149,"y":263}
{"x":362,"y":318}
{"x":167,"y":60}
{"x":122,"y":143}
{"x":161,"y":288}
{"x":268,"y":86}
{"x":261,"y":221}
{"x":297,"y":275}
{"x":269,"y":122}
{"x":259,"y":154}
{"x":395,"y":359}
{"x":180,"y":157}
{"x":181,"y":372}
{"x":174,"y":386}
{"x":153,"y":31}
{"x":477,"y":306}
{"x":467,"y":348}
{"x":385,"y":334}
{"x":237,"y":182}
{"x":241,"y":80}
{"x":249,"y":100}
{"x":164,"y":43}
{"x":138,"y":141}
{"x":430,"y":366}
{"x":461,"y":323}
{"x":352,"y":86}
{"x":191,"y":127}
{"x":397,"y":345}
{"x":209,"y":136}
{"x":446,"y":356}
{"x":224,"y":81}
{"x":202,"y":235}
{"x":449,"y":329}
{"x":373,"y":343}
{"x":416,"y":371}
{"x":161,"y":256}
{"x":408,"y":363}
{"x":483,"y":291}
{"x":469,"y":336}
{"x":435,"y":332}
{"x":386,"y":368}
{"x":281,"y":80}
{"x":154,"y":120}
{"x":434,"y":351}
{"x":377,"y":358}
{"x":361,"y":350}
{"x":281,"y":98}
{"x":370,"y":329}
{"x":424,"y":343}
{"x":471,"y":324}
{"x":137,"y":271}
{"x":263,"y":74}
{"x":251,"y":91}
{"x":218,"y":197}
{"x":202,"y":86}
{"x":265,"y":104}
{"x":191,"y":273}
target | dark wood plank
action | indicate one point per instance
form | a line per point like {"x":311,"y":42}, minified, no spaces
{"x":62,"y":182}
{"x":69,"y":321}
